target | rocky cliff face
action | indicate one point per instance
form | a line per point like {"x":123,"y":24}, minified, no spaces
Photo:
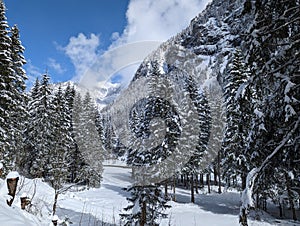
{"x":207,"y":45}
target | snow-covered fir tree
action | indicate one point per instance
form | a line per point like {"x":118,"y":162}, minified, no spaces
{"x":147,"y":203}
{"x":62,"y":141}
{"x":88,"y":141}
{"x":194,"y":166}
{"x":74,"y":158}
{"x":12,"y":96}
{"x":234,"y":144}
{"x":272,"y":49}
{"x":19,"y":114}
{"x":40,"y":133}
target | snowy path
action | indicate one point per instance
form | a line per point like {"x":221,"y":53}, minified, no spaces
{"x":104,"y":203}
{"x":95,"y":206}
{"x":209,"y":210}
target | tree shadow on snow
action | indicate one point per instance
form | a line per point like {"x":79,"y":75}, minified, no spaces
{"x":226,"y":203}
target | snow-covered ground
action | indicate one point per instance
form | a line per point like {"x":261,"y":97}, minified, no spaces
{"x":96,"y":206}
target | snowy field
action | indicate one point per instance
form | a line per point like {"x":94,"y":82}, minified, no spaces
{"x":103,"y":205}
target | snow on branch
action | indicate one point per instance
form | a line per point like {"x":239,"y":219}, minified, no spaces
{"x":254,"y":173}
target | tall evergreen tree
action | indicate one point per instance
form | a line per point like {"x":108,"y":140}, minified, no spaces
{"x":41,"y":136}
{"x":18,"y":114}
{"x":195,"y":164}
{"x":7,"y":101}
{"x":273,"y":57}
{"x":61,"y":143}
{"x":235,"y":161}
{"x":88,"y":141}
{"x":75,"y":158}
{"x":147,"y":203}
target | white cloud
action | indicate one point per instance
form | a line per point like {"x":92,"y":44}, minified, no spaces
{"x":32,"y":70}
{"x":158,"y":20}
{"x":153,"y":20}
{"x":82,"y":50}
{"x":147,"y":20}
{"x":32,"y":73}
{"x":52,"y":63}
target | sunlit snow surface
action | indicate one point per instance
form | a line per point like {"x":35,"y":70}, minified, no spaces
{"x":105,"y":204}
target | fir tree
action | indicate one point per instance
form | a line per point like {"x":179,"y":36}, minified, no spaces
{"x":40,"y":137}
{"x":7,"y":100}
{"x":18,"y":114}
{"x":195,"y":163}
{"x":273,"y":58}
{"x":147,"y":205}
{"x":30,"y":132}
{"x":88,"y":141}
{"x":235,"y":162}
{"x":58,"y":165}
{"x":77,"y":162}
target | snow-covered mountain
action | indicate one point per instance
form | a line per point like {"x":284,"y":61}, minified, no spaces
{"x":208,"y":43}
{"x":204,"y":49}
{"x":103,"y":96}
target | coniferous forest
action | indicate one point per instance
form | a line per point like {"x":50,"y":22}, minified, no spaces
{"x":249,"y":48}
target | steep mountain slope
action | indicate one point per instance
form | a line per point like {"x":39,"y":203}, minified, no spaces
{"x":207,"y":44}
{"x":196,"y":59}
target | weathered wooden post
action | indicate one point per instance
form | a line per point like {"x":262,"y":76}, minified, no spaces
{"x":12,"y":182}
{"x":24,"y":200}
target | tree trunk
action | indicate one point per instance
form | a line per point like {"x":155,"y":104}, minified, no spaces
{"x":166,"y":189}
{"x":196,"y":183}
{"x":264,"y":203}
{"x":290,"y":196}
{"x":228,"y":182}
{"x":201,"y":180}
{"x":219,"y":173}
{"x":215,"y":175}
{"x":208,"y":182}
{"x":192,"y":189}
{"x":244,"y":178}
{"x":55,"y":203}
{"x":280,"y":210}
{"x":12,"y":184}
{"x":257,"y":200}
{"x":187,"y":181}
{"x":243,"y":217}
{"x":174,"y":189}
{"x":143,"y":217}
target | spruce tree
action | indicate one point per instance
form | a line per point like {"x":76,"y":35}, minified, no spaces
{"x":147,"y":205}
{"x":41,"y":135}
{"x":272,"y":55}
{"x":58,"y":165}
{"x":7,"y":100}
{"x":74,"y":158}
{"x":30,"y":132}
{"x":77,"y":162}
{"x":88,"y":141}
{"x":18,"y":115}
{"x":234,"y":144}
{"x":195,"y":164}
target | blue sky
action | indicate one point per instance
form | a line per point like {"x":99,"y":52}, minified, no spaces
{"x":65,"y":36}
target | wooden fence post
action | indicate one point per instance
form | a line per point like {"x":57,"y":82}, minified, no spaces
{"x":25,"y":200}
{"x":12,"y":182}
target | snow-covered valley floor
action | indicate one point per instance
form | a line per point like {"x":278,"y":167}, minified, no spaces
{"x":103,"y":205}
